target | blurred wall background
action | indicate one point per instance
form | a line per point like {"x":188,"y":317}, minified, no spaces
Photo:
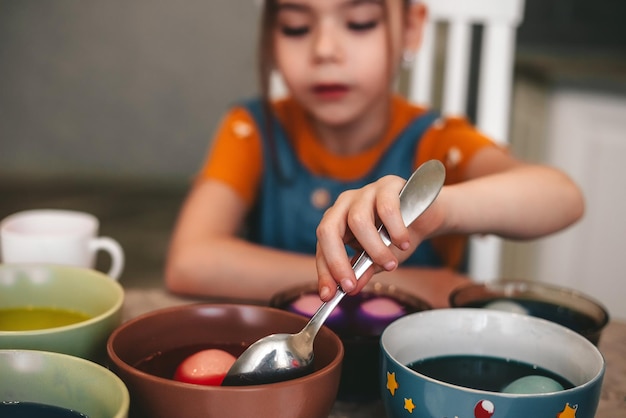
{"x":115,"y":89}
{"x":568,"y":111}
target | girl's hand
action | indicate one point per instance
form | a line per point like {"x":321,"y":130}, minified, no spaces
{"x":354,"y":220}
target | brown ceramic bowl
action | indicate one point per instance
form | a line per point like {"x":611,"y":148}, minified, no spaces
{"x":171,"y":334}
{"x":564,"y":306}
{"x":360,"y":328}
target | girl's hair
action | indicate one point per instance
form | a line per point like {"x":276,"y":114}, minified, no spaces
{"x":265,"y":50}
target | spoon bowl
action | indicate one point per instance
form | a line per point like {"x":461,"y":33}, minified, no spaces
{"x":280,"y":357}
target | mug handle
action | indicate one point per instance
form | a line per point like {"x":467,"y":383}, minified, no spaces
{"x":115,"y":250}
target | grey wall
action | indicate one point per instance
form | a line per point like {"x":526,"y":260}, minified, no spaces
{"x":119,"y":88}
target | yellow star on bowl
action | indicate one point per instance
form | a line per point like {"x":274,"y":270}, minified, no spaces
{"x":408,"y":405}
{"x":392,"y":385}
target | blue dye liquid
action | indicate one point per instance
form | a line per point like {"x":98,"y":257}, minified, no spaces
{"x":481,"y":372}
{"x":36,"y":410}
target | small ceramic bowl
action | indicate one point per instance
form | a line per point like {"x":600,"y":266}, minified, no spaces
{"x":92,"y":294}
{"x":359,"y":321}
{"x":146,"y":351}
{"x":564,"y":306}
{"x":33,"y":379}
{"x":463,"y":362}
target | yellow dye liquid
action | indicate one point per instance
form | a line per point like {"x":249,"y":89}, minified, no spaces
{"x":34,"y":318}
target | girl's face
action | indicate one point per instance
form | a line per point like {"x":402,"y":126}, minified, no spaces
{"x":335,"y":55}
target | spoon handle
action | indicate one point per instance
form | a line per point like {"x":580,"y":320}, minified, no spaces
{"x":318,"y":319}
{"x":360,"y":266}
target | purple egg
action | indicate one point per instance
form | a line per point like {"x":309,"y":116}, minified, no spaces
{"x":378,"y":312}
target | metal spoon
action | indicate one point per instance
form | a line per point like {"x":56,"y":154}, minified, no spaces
{"x":280,"y":357}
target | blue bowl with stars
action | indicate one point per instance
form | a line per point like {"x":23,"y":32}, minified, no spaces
{"x":480,"y":363}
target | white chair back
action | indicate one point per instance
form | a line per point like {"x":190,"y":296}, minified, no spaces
{"x":499,"y":20}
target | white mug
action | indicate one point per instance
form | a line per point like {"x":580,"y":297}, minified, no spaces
{"x":59,"y":237}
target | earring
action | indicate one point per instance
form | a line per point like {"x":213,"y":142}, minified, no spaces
{"x":407,"y":59}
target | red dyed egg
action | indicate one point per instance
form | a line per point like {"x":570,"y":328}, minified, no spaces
{"x":206,"y":367}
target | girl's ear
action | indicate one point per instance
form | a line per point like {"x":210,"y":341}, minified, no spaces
{"x":415,"y":18}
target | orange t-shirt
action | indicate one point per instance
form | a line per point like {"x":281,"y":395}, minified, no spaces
{"x":236,"y":155}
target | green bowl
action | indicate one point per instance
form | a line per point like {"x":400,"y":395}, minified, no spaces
{"x":62,"y":287}
{"x":64,"y":381}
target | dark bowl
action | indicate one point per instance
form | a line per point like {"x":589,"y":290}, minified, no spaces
{"x":564,"y":306}
{"x":164,"y":336}
{"x":360,"y":332}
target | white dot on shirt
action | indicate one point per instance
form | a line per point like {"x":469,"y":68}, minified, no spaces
{"x":241,"y":129}
{"x":454,"y":157}
{"x":438,"y":123}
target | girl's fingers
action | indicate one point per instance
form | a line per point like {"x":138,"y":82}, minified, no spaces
{"x":333,"y":264}
{"x":353,"y":217}
{"x":388,"y":210}
{"x":380,"y":199}
{"x":326,"y":285}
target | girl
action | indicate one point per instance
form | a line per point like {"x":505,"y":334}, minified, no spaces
{"x":248,"y":226}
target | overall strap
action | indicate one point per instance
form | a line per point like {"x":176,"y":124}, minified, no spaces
{"x":276,"y":148}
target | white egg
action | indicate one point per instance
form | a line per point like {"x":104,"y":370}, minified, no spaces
{"x":507,"y":306}
{"x":533,"y":384}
